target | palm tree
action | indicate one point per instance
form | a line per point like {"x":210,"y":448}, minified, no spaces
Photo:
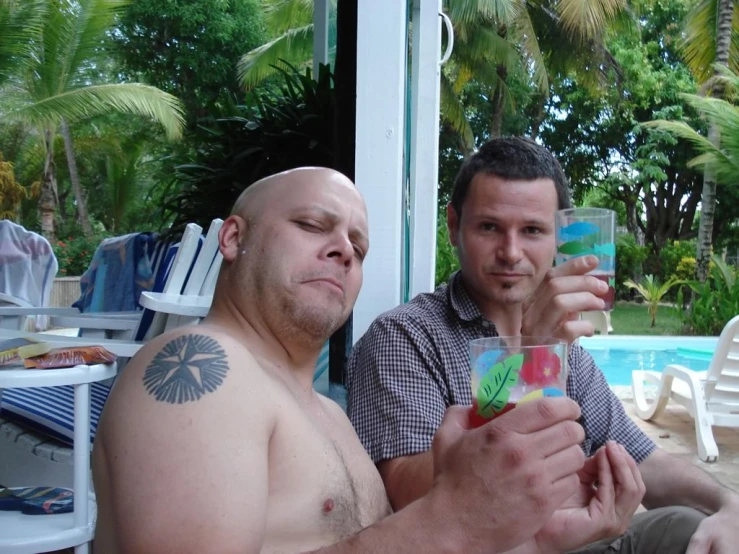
{"x":723,"y":160}
{"x":493,"y":40}
{"x":538,"y":39}
{"x":707,"y":48}
{"x":59,"y":84}
{"x":652,"y":291}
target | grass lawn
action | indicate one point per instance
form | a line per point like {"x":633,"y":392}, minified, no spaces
{"x":634,"y":319}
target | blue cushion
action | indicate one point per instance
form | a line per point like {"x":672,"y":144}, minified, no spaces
{"x":51,"y":409}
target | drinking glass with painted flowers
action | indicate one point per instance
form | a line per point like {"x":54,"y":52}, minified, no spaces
{"x":507,"y":371}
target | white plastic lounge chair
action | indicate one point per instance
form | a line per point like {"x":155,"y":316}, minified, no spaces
{"x":711,"y":397}
{"x":32,"y":418}
{"x":108,"y":304}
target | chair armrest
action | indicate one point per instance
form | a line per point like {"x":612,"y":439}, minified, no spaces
{"x":124,"y":348}
{"x":21,"y":312}
{"x":98,"y":321}
{"x":176,"y":304}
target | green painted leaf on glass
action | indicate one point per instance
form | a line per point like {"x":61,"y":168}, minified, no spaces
{"x":495,"y":386}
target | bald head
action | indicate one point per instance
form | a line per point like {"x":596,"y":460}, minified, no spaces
{"x":255,"y":198}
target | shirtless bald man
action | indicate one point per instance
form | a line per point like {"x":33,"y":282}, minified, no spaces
{"x":213,"y":439}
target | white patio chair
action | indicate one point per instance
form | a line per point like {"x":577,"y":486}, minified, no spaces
{"x":31,"y":457}
{"x":711,"y":397}
{"x":107,"y":306}
{"x":600,"y":319}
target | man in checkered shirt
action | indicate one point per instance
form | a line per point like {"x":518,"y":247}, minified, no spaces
{"x":412,"y":364}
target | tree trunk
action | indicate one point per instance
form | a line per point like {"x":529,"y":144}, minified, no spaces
{"x":708,"y":209}
{"x":497,"y":103}
{"x":539,"y":116}
{"x":74,"y":177}
{"x":632,"y":223}
{"x":48,"y":198}
{"x":708,"y":196}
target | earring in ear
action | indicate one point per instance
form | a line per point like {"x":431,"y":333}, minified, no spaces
{"x":243,"y":251}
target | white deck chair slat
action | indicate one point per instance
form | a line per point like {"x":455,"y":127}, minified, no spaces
{"x":186,"y":251}
{"x":205,"y":259}
{"x":209,"y":285}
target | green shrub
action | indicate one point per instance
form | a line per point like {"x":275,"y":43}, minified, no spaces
{"x":685,"y":269}
{"x":629,"y":259}
{"x":672,"y":255}
{"x":446,"y":256}
{"x":715,"y":301}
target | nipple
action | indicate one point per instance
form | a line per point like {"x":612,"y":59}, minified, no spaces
{"x":328,"y":506}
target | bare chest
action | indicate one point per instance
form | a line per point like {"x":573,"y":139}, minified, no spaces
{"x":322,"y":485}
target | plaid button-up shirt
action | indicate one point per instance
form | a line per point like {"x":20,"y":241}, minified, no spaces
{"x":413,"y":363}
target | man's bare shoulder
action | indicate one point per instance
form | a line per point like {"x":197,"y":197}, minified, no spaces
{"x":191,"y":413}
{"x":193,"y":369}
{"x":336,"y":411}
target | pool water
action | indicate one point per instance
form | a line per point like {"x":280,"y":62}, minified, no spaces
{"x":617,"y":358}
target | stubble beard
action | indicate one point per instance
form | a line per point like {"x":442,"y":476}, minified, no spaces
{"x":292,"y":318}
{"x":312,"y":321}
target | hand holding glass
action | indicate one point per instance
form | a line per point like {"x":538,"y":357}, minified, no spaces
{"x":584,"y":231}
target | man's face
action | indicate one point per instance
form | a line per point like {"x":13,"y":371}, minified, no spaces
{"x":304,"y":253}
{"x":505,"y":237}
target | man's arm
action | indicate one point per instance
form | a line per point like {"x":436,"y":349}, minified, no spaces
{"x":673,"y":482}
{"x":396,"y":401}
{"x":407,"y":478}
{"x":186,"y":472}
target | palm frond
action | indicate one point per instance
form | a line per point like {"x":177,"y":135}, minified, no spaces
{"x":472,"y":11}
{"x":623,"y":24}
{"x":532,"y":50}
{"x":283,"y":15}
{"x":585,"y":19}
{"x":681,"y":130}
{"x":452,"y":110}
{"x":88,"y":29}
{"x":122,"y":181}
{"x":21,"y":24}
{"x":132,"y":98}
{"x":294,"y":47}
{"x":724,"y":161}
{"x":699,"y":40}
{"x":485,"y":46}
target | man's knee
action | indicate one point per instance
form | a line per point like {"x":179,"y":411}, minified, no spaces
{"x":666,"y":529}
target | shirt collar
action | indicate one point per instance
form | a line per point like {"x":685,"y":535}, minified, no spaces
{"x":461,"y":301}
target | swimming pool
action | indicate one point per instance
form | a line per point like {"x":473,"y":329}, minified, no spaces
{"x":617,"y":356}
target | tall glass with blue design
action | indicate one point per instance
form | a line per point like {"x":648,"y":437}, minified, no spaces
{"x":507,"y":371}
{"x":583,"y":231}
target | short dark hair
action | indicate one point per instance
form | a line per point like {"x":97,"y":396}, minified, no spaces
{"x":511,"y":158}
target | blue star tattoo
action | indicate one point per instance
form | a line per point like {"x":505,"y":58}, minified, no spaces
{"x":185,"y":369}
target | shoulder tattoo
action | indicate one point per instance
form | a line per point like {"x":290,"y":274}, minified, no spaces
{"x":187,"y":368}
